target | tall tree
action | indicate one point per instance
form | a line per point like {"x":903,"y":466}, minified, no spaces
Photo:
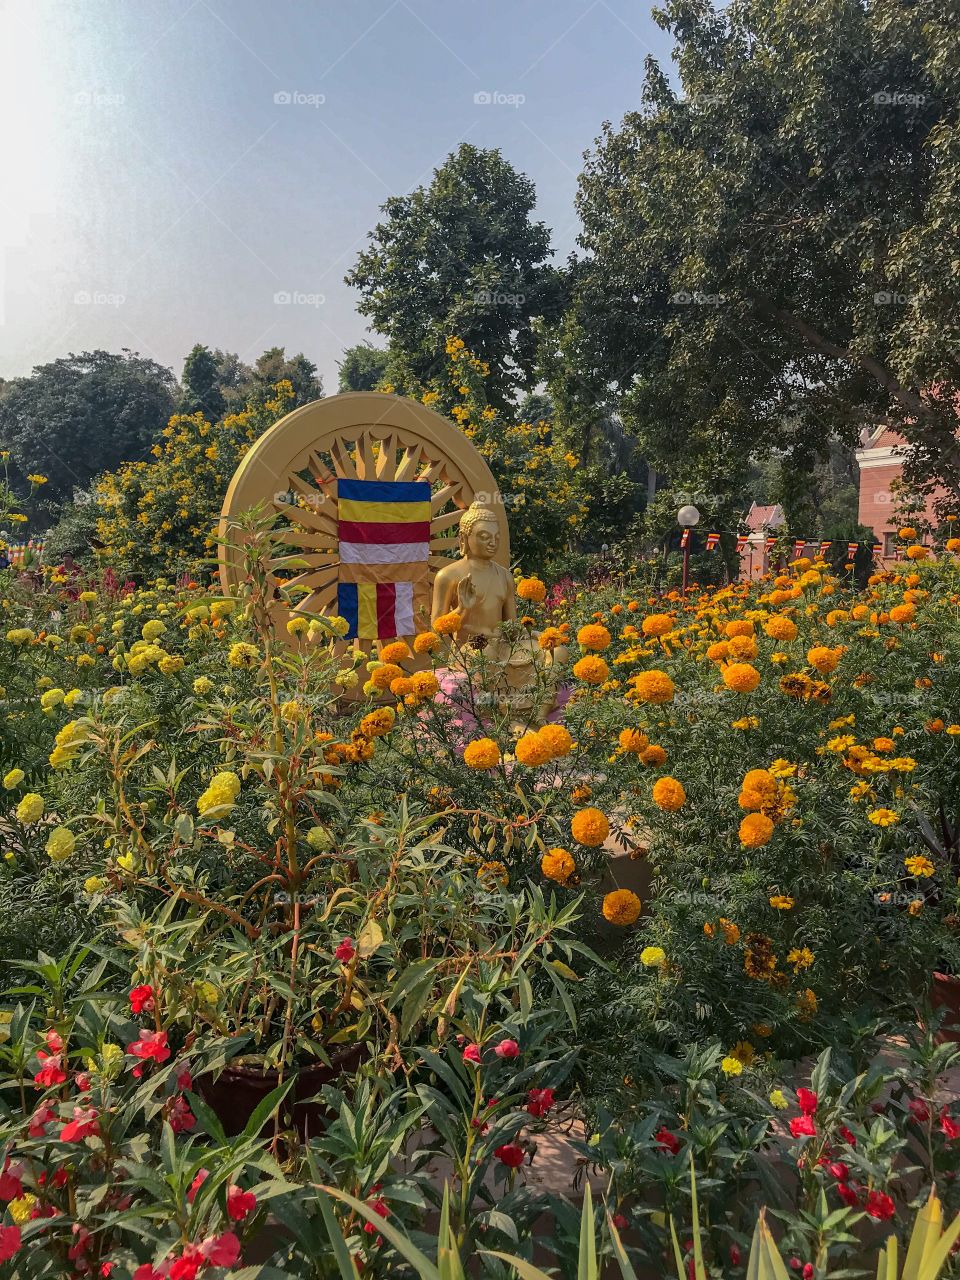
{"x":273,"y":367}
{"x":461,"y":257}
{"x":201,"y":390}
{"x":363,"y":367}
{"x":771,"y":257}
{"x":83,"y":414}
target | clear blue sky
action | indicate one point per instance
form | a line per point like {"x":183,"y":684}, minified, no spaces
{"x":156,"y":193}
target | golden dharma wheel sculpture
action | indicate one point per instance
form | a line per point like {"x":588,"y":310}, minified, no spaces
{"x":369,"y":490}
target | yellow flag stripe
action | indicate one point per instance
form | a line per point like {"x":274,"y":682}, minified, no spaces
{"x":367,"y":610}
{"x":384,"y":512}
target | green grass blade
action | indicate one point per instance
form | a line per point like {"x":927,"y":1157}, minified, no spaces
{"x":337,"y":1243}
{"x":587,"y":1259}
{"x":626,"y":1269}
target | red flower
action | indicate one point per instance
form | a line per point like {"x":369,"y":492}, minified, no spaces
{"x":919,"y":1110}
{"x":197,"y":1183}
{"x":803,"y":1126}
{"x":667,"y":1140}
{"x":472,"y":1053}
{"x":141,"y":999}
{"x":539,"y":1101}
{"x":54,"y":1041}
{"x":839,"y":1170}
{"x":507,"y":1049}
{"x":948,"y":1125}
{"x":185,"y":1268}
{"x":221,"y":1251}
{"x":735,"y":1255}
{"x":85,"y":1124}
{"x":378,"y":1206}
{"x":847,"y":1194}
{"x":880,"y":1206}
{"x":180,"y":1116}
{"x":847,"y":1136}
{"x":82,"y":1081}
{"x":11,"y":1188}
{"x":9,"y":1242}
{"x":807,"y":1101}
{"x":808,"y":1271}
{"x":345,"y":951}
{"x":106,"y":1268}
{"x":152,"y":1044}
{"x":146,"y":1272}
{"x":621,"y":1221}
{"x":184,"y":1078}
{"x":239,"y":1202}
{"x":510,"y":1154}
{"x":51,"y":1071}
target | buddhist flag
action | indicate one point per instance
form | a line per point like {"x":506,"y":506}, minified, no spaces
{"x":798,"y":547}
{"x":825,"y":546}
{"x":712,"y":540}
{"x":878,"y":548}
{"x":741,"y":542}
{"x":684,"y":539}
{"x":771,"y":542}
{"x":384,"y":536}
{"x":852,"y":549}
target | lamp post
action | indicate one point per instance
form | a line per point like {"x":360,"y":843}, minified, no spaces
{"x":687,"y":517}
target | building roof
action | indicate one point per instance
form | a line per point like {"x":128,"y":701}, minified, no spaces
{"x":759,"y":518}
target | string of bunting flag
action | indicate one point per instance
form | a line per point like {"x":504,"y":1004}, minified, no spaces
{"x":800,"y":545}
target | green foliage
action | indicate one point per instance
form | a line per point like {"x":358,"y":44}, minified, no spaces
{"x":363,"y":367}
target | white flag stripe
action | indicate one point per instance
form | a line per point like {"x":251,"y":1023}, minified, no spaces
{"x":383,"y":552}
{"x":403,"y":617}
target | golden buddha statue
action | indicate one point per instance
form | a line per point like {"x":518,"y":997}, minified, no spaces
{"x":482,"y":592}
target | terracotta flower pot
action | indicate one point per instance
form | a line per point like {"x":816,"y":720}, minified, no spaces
{"x":237,"y":1091}
{"x":945,"y":996}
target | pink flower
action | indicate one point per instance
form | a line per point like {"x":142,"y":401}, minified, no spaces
{"x":472,"y":1054}
{"x":880,"y":1206}
{"x":667,"y":1140}
{"x":221,"y":1251}
{"x":239,"y":1202}
{"x":808,"y":1271}
{"x":948,"y":1125}
{"x":152,"y":1044}
{"x":9,"y":1242}
{"x":807,"y":1101}
{"x":51,"y":1070}
{"x":803,"y":1127}
{"x":141,"y":999}
{"x":539,"y":1101}
{"x":345,"y":951}
{"x":507,"y":1049}
{"x":40,"y":1119}
{"x":510,"y":1154}
{"x":180,"y":1116}
{"x":184,"y":1078}
{"x":197,"y":1183}
{"x":54,"y":1041}
{"x":919,"y":1110}
{"x":11,"y":1188}
{"x":85,"y":1124}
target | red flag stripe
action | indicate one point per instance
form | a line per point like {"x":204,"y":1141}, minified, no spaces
{"x":369,"y":531}
{"x":386,"y":609}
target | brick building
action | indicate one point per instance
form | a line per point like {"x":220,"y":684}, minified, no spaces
{"x":879,"y":457}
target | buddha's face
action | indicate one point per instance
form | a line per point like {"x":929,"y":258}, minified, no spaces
{"x":483,"y":539}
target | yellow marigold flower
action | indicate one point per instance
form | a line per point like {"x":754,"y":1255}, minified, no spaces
{"x":220,"y":796}
{"x":731,"y":1066}
{"x":170,"y":664}
{"x":426,"y":642}
{"x":448,"y":624}
{"x":780,"y":902}
{"x":755,"y":830}
{"x":883,"y":817}
{"x":243,"y":655}
{"x":425,"y":684}
{"x":621,"y":906}
{"x":551,"y":638}
{"x":61,"y":843}
{"x":532,"y":750}
{"x":13,"y":779}
{"x":778,"y":1100}
{"x":593,"y":636}
{"x":591,"y":669}
{"x":807,"y":1004}
{"x":384,"y":675}
{"x":919,"y":865}
{"x":557,"y":864}
{"x":668,"y":794}
{"x":633,"y":741}
{"x":87,"y":597}
{"x":653,"y":686}
{"x":30,"y":809}
{"x":653,"y":957}
{"x":483,"y":753}
{"x":202,"y":685}
{"x":917,"y":552}
{"x":907,"y":533}
{"x":800,"y":958}
{"x":152,"y":630}
{"x":590,"y":827}
{"x":531,"y":589}
{"x":298,"y":625}
{"x":658,"y":624}
{"x":731,"y":931}
{"x":21,"y":1209}
{"x":740,"y":676}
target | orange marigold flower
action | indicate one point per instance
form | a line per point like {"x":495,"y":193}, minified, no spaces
{"x":426,"y":642}
{"x":557,"y":738}
{"x":902,"y":613}
{"x":633,"y":741}
{"x":917,"y":552}
{"x":590,"y":827}
{"x":532,"y":750}
{"x":558,"y":864}
{"x":621,"y":907}
{"x":531,"y":589}
{"x":755,"y":830}
{"x":653,"y":755}
{"x":781,"y":628}
{"x":395,"y":651}
{"x":483,"y":753}
{"x":738,"y":627}
{"x":658,"y":624}
{"x":654,"y":686}
{"x":448,"y":624}
{"x":383,"y":676}
{"x":668,"y":794}
{"x":740,"y":676}
{"x":591,"y":669}
{"x":719,"y":651}
{"x":823,"y":659}
{"x":593,"y":636}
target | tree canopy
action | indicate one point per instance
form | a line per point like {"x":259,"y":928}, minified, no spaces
{"x":460,"y":257}
{"x":363,"y":367}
